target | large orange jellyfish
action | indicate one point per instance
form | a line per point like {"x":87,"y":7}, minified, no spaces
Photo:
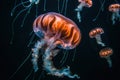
{"x":54,"y":30}
{"x":96,"y":33}
{"x":106,"y":53}
{"x":115,"y":9}
{"x":83,"y":3}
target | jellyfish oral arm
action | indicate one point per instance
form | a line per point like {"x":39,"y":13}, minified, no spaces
{"x":50,"y":68}
{"x":79,"y":9}
{"x":109,"y":61}
{"x":79,"y":16}
{"x":99,"y":40}
{"x":115,"y":16}
{"x":35,"y":54}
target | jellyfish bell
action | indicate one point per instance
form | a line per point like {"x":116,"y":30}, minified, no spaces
{"x":96,"y":33}
{"x":54,"y":30}
{"x":115,"y":9}
{"x":87,"y":3}
{"x":106,"y":53}
{"x":63,"y":31}
{"x":83,"y":3}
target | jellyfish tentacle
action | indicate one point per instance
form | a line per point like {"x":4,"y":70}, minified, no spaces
{"x":20,"y":66}
{"x":35,"y":54}
{"x":17,"y":6}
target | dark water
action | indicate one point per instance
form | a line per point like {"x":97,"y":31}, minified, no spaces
{"x":87,"y":63}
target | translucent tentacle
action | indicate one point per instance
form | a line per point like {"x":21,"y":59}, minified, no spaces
{"x":26,"y":16}
{"x":63,"y":4}
{"x":64,"y":58}
{"x":66,"y":7}
{"x":20,"y":66}
{"x":59,"y":6}
{"x":23,"y":3}
{"x":36,"y":11}
{"x":31,"y":39}
{"x":101,"y":8}
{"x":29,"y":74}
{"x":74,"y":55}
{"x":11,"y":41}
{"x":17,"y":6}
{"x":44,"y":5}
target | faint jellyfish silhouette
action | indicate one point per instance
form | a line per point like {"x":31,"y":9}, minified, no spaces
{"x":54,"y":30}
{"x":106,"y":53}
{"x":83,"y":3}
{"x":27,"y":7}
{"x":96,"y":33}
{"x":115,"y":9}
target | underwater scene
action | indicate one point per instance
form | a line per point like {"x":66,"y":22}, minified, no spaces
{"x":60,"y":39}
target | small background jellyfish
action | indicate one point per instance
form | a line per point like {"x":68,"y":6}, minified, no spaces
{"x":83,"y":3}
{"x":106,"y":53}
{"x":54,"y":30}
{"x":96,"y":33}
{"x":115,"y":9}
{"x":102,"y":8}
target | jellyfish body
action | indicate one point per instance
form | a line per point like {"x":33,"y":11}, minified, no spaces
{"x":106,"y":53}
{"x":54,"y":30}
{"x":83,"y":3}
{"x":115,"y":9}
{"x":96,"y":33}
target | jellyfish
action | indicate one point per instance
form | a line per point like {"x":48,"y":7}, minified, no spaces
{"x":27,"y":7}
{"x":96,"y":33}
{"x":83,"y":3}
{"x":106,"y":53}
{"x":54,"y":30}
{"x":101,"y":9}
{"x":115,"y":9}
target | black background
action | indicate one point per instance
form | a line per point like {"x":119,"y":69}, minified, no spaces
{"x":87,"y":63}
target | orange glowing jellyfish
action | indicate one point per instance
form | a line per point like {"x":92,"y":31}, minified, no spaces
{"x":54,"y":30}
{"x":115,"y":9}
{"x":83,"y":3}
{"x":106,"y":53}
{"x":63,"y":31}
{"x":96,"y":33}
